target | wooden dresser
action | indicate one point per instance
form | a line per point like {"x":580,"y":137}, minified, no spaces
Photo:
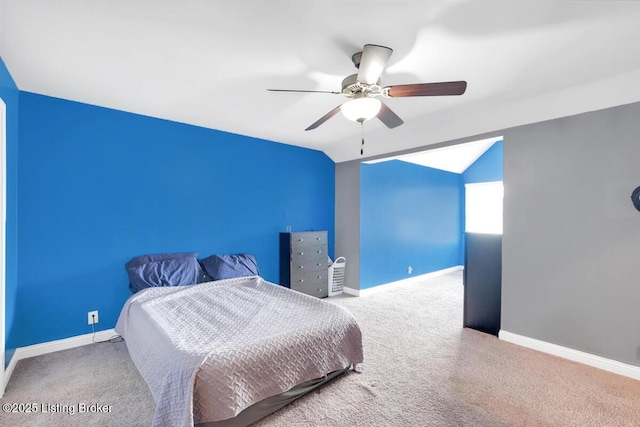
{"x":304,"y":262}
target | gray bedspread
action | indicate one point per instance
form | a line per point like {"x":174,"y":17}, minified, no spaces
{"x":208,"y":351}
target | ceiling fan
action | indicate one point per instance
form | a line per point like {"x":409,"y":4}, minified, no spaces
{"x":363,"y":88}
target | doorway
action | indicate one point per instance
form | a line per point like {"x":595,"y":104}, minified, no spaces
{"x":412,"y":209}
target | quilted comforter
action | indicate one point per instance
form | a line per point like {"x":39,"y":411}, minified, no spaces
{"x":209,"y":351}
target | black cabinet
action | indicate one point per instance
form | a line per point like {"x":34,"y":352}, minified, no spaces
{"x":482,"y":282}
{"x":304,"y":262}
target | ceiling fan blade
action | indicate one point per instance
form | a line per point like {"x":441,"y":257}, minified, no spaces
{"x":372,"y":62}
{"x":324,"y":118}
{"x":303,"y":91}
{"x":388,"y":117}
{"x":426,"y":89}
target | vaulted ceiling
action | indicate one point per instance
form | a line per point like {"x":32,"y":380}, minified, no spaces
{"x":209,"y":63}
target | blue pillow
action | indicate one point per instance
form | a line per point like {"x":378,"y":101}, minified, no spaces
{"x":220,"y":267}
{"x":203,"y":277}
{"x":143,"y":259}
{"x":155,"y":270}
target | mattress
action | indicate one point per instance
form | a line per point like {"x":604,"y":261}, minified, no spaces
{"x":209,"y":351}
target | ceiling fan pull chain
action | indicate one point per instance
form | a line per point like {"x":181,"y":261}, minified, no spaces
{"x":362,"y":137}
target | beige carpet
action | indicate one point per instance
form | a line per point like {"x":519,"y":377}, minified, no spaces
{"x":422,"y":369}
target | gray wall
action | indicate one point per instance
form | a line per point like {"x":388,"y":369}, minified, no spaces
{"x":347,"y":220}
{"x":571,"y":235}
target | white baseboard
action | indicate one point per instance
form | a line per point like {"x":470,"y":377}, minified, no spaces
{"x":53,"y":346}
{"x":614,"y":366}
{"x":351,"y":291}
{"x":391,"y":285}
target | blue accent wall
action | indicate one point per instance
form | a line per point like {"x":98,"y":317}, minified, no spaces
{"x":409,"y":216}
{"x":488,"y":167}
{"x":99,"y":186}
{"x":10,"y":95}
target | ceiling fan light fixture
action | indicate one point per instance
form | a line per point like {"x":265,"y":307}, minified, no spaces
{"x":361,"y":109}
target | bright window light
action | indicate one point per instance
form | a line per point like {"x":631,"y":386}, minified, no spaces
{"x":483,"y":207}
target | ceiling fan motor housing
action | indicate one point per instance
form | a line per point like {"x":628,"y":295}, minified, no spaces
{"x":351,"y":87}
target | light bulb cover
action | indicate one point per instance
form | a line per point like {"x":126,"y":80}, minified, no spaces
{"x":361,"y":109}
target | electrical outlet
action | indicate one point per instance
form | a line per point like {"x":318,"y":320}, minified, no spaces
{"x":409,"y":269}
{"x":92,"y":317}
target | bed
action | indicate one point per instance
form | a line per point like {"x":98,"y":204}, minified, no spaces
{"x":229,"y":352}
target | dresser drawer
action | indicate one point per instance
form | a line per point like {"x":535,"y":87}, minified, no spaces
{"x":309,"y":252}
{"x":302,"y":265}
{"x":319,"y":290}
{"x":312,"y":238}
{"x":299,"y":279}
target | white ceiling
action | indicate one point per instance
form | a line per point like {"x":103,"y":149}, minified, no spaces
{"x":209,"y":63}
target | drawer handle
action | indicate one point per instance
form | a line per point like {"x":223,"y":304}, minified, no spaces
{"x":300,"y":253}
{"x":301,"y":280}
{"x":319,"y":290}
{"x":302,"y":266}
{"x":319,"y":277}
{"x":318,"y":264}
{"x":300,"y":240}
{"x":318,"y":238}
{"x":319,"y":252}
